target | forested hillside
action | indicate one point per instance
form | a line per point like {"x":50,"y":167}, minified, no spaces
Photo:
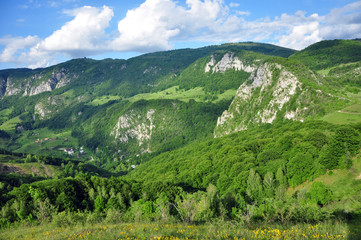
{"x":247,"y":133}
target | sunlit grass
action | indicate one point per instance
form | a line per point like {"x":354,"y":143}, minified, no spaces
{"x":342,"y":118}
{"x":10,"y":124}
{"x":179,"y":231}
{"x":38,"y":141}
{"x":174,"y":93}
{"x":103,"y":100}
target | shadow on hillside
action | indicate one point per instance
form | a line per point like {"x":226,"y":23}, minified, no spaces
{"x":354,"y":226}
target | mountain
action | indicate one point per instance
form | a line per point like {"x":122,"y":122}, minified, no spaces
{"x":247,"y":132}
{"x":130,"y":110}
{"x":326,"y":54}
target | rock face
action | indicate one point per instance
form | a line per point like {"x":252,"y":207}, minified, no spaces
{"x":46,"y":109}
{"x":58,"y":79}
{"x":261,"y":98}
{"x":228,"y":62}
{"x":35,"y":83}
{"x":135,"y":126}
{"x":11,"y":87}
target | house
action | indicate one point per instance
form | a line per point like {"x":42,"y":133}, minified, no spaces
{"x":69,"y":151}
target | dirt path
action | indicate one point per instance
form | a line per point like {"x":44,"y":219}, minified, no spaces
{"x":340,"y":111}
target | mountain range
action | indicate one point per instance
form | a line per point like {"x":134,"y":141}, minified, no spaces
{"x":246,"y":133}
{"x":161,"y":101}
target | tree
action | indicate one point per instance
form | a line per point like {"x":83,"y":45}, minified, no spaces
{"x":44,"y":209}
{"x":254,"y":186}
{"x":99,"y":203}
{"x":269,"y":185}
{"x":320,"y":193}
{"x":300,"y":168}
{"x":281,"y":176}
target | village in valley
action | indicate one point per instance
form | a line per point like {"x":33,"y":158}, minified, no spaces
{"x":60,"y":143}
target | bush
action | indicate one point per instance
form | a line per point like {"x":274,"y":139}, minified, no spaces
{"x":113,"y":216}
{"x":320,"y":193}
{"x":69,"y":219}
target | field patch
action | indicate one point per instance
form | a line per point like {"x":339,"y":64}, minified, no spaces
{"x":350,"y":114}
{"x":174,"y":93}
{"x":10,"y":124}
{"x":103,"y":100}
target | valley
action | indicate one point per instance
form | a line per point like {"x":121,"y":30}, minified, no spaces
{"x":249,"y":134}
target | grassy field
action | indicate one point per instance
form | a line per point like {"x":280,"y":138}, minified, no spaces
{"x":196,"y":94}
{"x":40,"y":141}
{"x":103,"y":100}
{"x":4,"y":115}
{"x":6,"y":158}
{"x":344,"y":183}
{"x":224,"y":230}
{"x":350,"y":114}
{"x":10,"y":124}
{"x":34,"y":168}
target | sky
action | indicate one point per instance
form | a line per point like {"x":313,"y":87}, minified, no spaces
{"x":40,"y":33}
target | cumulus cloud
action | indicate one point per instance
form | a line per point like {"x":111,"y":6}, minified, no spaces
{"x":159,"y":24}
{"x":155,"y":23}
{"x":85,"y":33}
{"x":83,"y":36}
{"x":14,"y":45}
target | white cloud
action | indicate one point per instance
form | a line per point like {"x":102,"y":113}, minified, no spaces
{"x":83,"y":36}
{"x":14,"y":45}
{"x":159,"y":24}
{"x":232,"y":4}
{"x":156,"y":23}
{"x":243,"y":13}
{"x":85,"y":33}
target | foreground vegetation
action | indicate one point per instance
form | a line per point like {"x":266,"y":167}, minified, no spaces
{"x":218,"y":230}
{"x":303,"y":176}
{"x":127,"y":149}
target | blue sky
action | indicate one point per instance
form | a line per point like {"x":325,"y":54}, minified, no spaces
{"x":39,"y":33}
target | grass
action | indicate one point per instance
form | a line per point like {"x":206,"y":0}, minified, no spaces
{"x":224,"y":230}
{"x":197,"y":94}
{"x":6,"y":158}
{"x":350,"y":114}
{"x":356,"y":108}
{"x":4,"y":114}
{"x":103,"y":100}
{"x":10,"y":124}
{"x":33,"y":168}
{"x":38,"y":169}
{"x":344,"y":183}
{"x":27,"y":142}
{"x":342,"y":118}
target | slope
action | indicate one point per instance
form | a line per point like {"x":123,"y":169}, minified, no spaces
{"x":72,"y":100}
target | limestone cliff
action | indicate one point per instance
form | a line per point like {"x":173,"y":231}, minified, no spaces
{"x":272,"y":90}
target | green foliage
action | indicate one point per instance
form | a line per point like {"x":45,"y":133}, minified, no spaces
{"x":326,"y":54}
{"x":320,"y":193}
{"x":113,"y":110}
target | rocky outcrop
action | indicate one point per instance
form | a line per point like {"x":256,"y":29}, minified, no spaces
{"x":30,"y":85}
{"x":260,"y":99}
{"x":137,"y":126}
{"x":58,"y":79}
{"x":12,"y":87}
{"x":227,"y":62}
{"x":52,"y":105}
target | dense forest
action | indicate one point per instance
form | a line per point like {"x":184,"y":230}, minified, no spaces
{"x":237,"y":141}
